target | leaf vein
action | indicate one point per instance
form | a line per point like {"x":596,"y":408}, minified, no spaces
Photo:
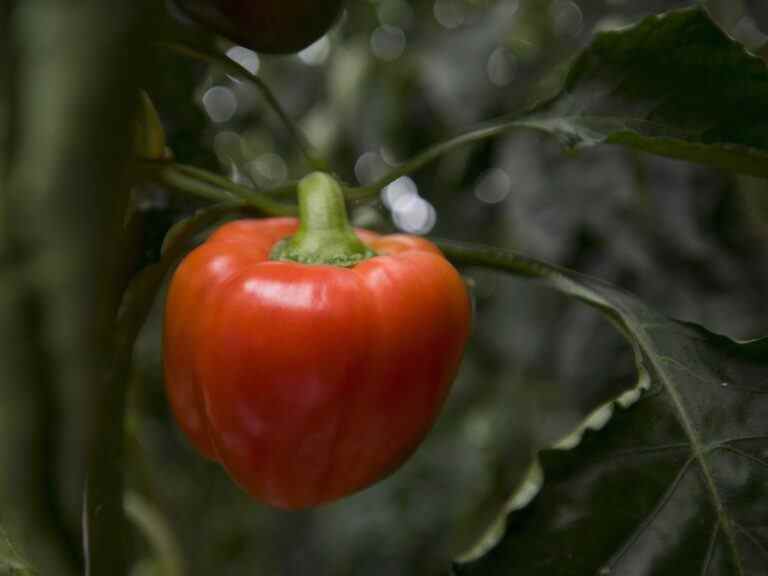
{"x":746,"y":455}
{"x":648,"y":521}
{"x":699,"y":450}
{"x":648,"y":450}
{"x":756,"y":437}
{"x":752,"y":538}
{"x":710,"y":550}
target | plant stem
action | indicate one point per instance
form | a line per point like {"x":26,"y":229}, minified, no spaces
{"x":432,"y":153}
{"x":324,"y":235}
{"x":312,"y":156}
{"x":352,"y":193}
{"x":245,"y":192}
{"x":210,"y":186}
{"x":63,"y":207}
{"x":173,"y":174}
{"x":565,"y":281}
{"x":490,"y":257}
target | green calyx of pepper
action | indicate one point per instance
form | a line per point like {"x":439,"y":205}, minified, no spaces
{"x":325,"y":235}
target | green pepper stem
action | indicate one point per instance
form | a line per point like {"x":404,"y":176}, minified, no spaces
{"x":325,"y":235}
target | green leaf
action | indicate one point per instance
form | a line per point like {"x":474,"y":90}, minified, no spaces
{"x":673,"y":85}
{"x":677,"y":484}
{"x":149,"y":139}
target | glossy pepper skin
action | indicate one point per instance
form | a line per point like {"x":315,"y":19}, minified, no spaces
{"x":310,"y":382}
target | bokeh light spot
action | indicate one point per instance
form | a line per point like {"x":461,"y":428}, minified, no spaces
{"x":493,"y":186}
{"x":268,"y":170}
{"x":316,"y":53}
{"x":410,"y":212}
{"x":220,"y":104}
{"x":449,"y":13}
{"x":413,"y":214}
{"x":400,"y":188}
{"x":369,"y":167}
{"x":567,"y":18}
{"x":395,"y":13}
{"x":388,"y":42}
{"x":248,"y":59}
{"x":501,"y":66}
{"x":227,"y":145}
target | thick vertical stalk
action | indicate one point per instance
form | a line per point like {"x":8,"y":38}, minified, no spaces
{"x":30,"y":517}
{"x":74,"y":87}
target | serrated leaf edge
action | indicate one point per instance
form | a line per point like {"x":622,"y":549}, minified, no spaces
{"x":531,"y":484}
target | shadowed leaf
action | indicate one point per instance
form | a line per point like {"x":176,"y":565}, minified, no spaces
{"x":673,"y":85}
{"x":676,"y":483}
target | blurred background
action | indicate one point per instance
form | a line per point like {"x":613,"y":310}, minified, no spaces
{"x":392,"y":77}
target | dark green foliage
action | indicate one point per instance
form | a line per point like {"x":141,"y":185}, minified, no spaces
{"x":676,"y":483}
{"x":674,"y":85}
